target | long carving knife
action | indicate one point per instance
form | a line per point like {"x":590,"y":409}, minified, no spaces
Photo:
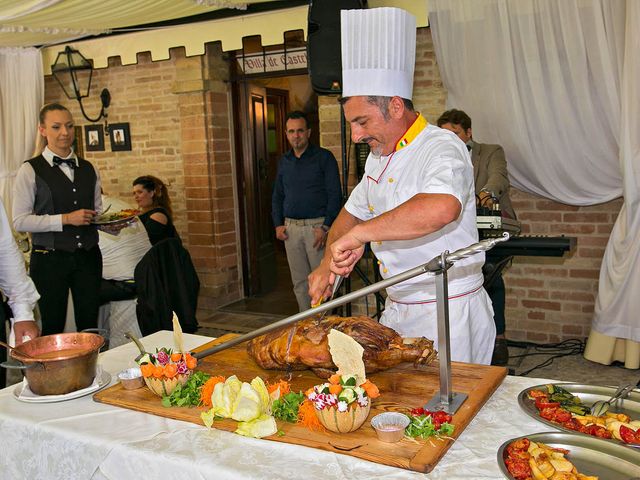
{"x":336,"y":285}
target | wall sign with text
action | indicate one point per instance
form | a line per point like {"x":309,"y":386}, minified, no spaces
{"x":273,"y":61}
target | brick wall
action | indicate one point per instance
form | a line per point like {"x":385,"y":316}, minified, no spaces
{"x":548,"y":299}
{"x":179,"y":116}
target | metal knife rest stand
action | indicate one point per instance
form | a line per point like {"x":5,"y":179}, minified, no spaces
{"x":445,"y":399}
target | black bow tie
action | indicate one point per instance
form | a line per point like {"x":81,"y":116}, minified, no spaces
{"x":469,"y":147}
{"x":69,"y":161}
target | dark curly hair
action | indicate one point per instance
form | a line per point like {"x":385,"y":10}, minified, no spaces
{"x":160,"y":193}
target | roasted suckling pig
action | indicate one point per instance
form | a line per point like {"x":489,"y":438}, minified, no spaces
{"x":305,"y":345}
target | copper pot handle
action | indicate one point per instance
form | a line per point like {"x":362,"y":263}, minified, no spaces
{"x":17,"y":366}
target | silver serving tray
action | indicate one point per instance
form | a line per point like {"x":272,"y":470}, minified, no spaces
{"x":590,"y":455}
{"x":589,"y":394}
{"x":101,"y":220}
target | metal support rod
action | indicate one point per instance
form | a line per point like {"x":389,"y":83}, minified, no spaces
{"x":434,"y":265}
{"x":444,"y":352}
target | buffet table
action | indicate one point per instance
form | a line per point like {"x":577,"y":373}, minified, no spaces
{"x":82,"y":439}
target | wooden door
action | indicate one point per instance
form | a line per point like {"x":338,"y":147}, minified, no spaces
{"x":259,"y":264}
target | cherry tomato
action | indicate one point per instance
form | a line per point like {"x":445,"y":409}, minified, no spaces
{"x":518,"y":468}
{"x":416,"y":412}
{"x":542,"y":403}
{"x":515,"y":453}
{"x":548,"y":413}
{"x":572,"y":424}
{"x":628,"y":435}
{"x":537,"y":393}
{"x":562,"y":416}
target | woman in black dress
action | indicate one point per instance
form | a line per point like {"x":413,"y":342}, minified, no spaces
{"x":152,"y":197}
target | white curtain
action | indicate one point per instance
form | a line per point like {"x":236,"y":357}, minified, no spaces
{"x":556,"y":84}
{"x":21,"y":97}
{"x":618,"y":303}
{"x":542,"y":79}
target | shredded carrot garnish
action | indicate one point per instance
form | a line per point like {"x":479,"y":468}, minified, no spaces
{"x":307,"y":416}
{"x":207,"y":389}
{"x":283,"y":385}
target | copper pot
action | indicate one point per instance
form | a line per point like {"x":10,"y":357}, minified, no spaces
{"x":61,"y":363}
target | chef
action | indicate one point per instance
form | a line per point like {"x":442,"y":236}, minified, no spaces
{"x":416,"y":198}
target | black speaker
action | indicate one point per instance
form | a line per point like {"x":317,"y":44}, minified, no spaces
{"x":323,"y":43}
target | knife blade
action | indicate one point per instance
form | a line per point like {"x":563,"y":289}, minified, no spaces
{"x":336,"y":284}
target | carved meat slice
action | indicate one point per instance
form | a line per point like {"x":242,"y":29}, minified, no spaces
{"x":383,"y":346}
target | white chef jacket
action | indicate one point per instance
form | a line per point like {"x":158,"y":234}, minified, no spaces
{"x":429,"y":160}
{"x":14,"y":282}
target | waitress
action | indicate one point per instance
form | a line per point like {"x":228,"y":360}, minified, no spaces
{"x":152,"y":197}
{"x":56,"y":195}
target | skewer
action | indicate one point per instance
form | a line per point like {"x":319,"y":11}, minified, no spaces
{"x":434,"y":265}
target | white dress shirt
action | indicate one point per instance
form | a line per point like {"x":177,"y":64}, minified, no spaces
{"x":24,"y":197}
{"x":14,"y":282}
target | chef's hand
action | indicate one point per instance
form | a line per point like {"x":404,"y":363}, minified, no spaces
{"x":320,"y":282}
{"x":281,"y":233}
{"x":319,"y":238}
{"x":345,"y":253}
{"x":78,"y":217}
{"x":26,"y":328}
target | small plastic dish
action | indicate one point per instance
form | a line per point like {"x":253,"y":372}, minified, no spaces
{"x":389,"y":426}
{"x":131,"y":378}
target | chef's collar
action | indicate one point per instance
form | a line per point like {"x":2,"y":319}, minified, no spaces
{"x":416,"y":127}
{"x":48,"y":156}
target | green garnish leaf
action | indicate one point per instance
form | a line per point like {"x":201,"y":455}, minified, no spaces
{"x":187,"y":395}
{"x":422,"y":427}
{"x":286,"y":407}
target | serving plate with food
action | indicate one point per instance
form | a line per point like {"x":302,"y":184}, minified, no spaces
{"x":247,"y":388}
{"x":566,"y":456}
{"x":116,"y":218}
{"x":567,"y":406}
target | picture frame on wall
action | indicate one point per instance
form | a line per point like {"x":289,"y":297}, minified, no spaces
{"x":94,"y":138}
{"x":78,"y":145}
{"x":120,"y":137}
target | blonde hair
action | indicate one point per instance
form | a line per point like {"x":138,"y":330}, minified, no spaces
{"x":41,"y":141}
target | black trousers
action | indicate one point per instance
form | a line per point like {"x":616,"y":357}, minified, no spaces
{"x":4,"y":324}
{"x":116,"y":290}
{"x":494,"y":285}
{"x":54,"y":273}
{"x":497,"y":295}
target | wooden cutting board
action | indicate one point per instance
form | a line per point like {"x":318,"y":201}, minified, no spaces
{"x":402,"y":388}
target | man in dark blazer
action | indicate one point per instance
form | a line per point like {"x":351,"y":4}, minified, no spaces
{"x":492,"y":187}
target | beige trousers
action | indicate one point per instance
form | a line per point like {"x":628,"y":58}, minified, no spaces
{"x":303,"y":258}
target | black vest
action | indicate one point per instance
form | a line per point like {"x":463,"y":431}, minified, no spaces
{"x":56,"y":194}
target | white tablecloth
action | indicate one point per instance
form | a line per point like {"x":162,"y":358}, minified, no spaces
{"x":82,"y":439}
